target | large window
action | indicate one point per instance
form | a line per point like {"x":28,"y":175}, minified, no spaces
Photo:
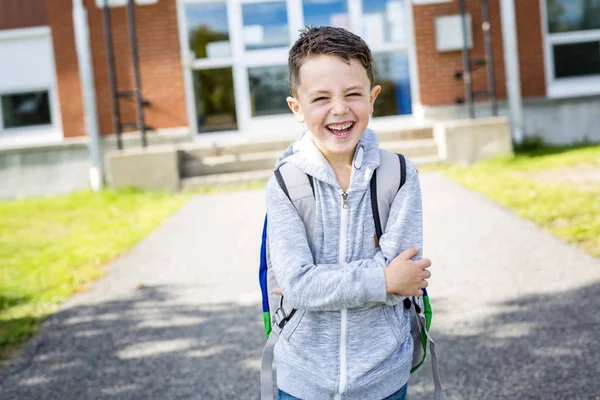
{"x":208,"y":34}
{"x":237,"y":54}
{"x":265,"y":25}
{"x":573,"y":47}
{"x":326,"y":13}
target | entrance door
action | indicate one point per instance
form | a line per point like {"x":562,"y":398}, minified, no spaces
{"x":237,"y":50}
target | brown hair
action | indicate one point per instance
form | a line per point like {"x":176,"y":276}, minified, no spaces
{"x":327,"y":40}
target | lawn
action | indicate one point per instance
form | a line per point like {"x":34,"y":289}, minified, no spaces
{"x":53,"y":247}
{"x":557,"y":188}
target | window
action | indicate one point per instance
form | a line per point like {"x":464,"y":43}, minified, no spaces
{"x":383,"y":21}
{"x":393,"y":75}
{"x":587,"y":55}
{"x":208,"y":34}
{"x":215,"y":102}
{"x":573,"y":47}
{"x":326,"y":13}
{"x":21,"y":110}
{"x":268,"y":90}
{"x":573,"y":15}
{"x":265,"y":25}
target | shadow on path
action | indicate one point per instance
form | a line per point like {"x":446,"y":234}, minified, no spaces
{"x":144,"y":347}
{"x":535,"y":347}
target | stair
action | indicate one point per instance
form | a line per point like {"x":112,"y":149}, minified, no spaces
{"x":244,"y":161}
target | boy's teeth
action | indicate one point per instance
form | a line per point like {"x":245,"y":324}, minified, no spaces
{"x":340,"y":127}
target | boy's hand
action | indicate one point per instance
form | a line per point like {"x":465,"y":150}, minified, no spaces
{"x":278,"y":291}
{"x":407,"y":277}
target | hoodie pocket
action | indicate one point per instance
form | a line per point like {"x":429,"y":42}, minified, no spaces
{"x":394,"y":322}
{"x":292,"y":325}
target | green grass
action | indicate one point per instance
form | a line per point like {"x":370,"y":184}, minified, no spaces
{"x":564,"y":209}
{"x":52,"y":247}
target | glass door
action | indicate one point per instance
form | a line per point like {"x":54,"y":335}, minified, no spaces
{"x":236,"y":52}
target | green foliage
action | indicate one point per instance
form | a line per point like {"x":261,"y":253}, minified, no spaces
{"x":52,"y":247}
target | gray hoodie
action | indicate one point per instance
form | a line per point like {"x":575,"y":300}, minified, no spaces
{"x":348,"y":337}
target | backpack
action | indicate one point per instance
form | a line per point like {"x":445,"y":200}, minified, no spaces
{"x":386,"y":181}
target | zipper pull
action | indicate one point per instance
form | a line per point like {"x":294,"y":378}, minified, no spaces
{"x":345,"y":200}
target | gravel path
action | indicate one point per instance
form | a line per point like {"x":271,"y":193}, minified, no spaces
{"x":178,"y":317}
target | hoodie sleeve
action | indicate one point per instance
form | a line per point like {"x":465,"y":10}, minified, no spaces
{"x":404,"y":227}
{"x":311,"y":287}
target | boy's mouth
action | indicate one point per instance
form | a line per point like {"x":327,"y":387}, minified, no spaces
{"x":341,"y":130}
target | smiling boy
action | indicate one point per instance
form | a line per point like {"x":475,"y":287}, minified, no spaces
{"x":350,"y":336}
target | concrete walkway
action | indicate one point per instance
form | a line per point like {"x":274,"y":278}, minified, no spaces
{"x":515,"y":311}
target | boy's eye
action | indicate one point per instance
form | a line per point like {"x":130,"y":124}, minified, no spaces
{"x":354,"y":94}
{"x":319,"y":99}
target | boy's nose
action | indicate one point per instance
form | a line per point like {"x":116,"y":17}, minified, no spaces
{"x":339,"y":107}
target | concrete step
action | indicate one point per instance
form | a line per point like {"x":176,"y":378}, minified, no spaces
{"x":232,"y":146}
{"x":212,"y":165}
{"x":385,"y":135}
{"x":246,"y":177}
{"x":411,"y":148}
{"x":232,"y":178}
{"x":229,"y":163}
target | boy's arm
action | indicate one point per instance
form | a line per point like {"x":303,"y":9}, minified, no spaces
{"x":311,"y":287}
{"x":404,"y":227}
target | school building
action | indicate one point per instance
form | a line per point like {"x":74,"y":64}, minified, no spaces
{"x":211,"y":66}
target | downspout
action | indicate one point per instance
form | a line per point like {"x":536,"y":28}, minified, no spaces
{"x":88,"y":91}
{"x":511,"y":64}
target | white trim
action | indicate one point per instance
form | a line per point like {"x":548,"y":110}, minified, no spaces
{"x":295,"y":19}
{"x":389,"y":47}
{"x":240,"y":72}
{"x":572,"y":86}
{"x":355,"y":14}
{"x":265,"y":58}
{"x":425,"y":2}
{"x":415,"y":91}
{"x":574,"y":37}
{"x":24,"y":33}
{"x":260,"y":1}
{"x":186,"y":61}
{"x":210,"y":63}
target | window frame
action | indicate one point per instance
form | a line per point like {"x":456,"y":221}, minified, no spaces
{"x":242,"y":59}
{"x":572,"y":86}
{"x":49,"y":133}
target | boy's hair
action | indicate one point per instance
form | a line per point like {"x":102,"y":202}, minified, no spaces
{"x":327,"y":40}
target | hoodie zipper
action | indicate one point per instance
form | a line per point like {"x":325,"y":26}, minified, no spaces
{"x":344,"y":313}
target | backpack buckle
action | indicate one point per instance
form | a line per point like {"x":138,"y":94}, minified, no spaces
{"x":281,"y":318}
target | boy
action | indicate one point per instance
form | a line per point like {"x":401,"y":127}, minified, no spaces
{"x":350,"y":337}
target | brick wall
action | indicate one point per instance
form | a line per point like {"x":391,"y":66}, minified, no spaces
{"x":16,"y":14}
{"x":160,"y":65}
{"x":60,"y":20}
{"x":436,"y":70}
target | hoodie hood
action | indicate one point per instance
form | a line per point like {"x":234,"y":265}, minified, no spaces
{"x":307,"y":157}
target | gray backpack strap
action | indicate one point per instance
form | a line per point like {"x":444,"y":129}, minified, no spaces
{"x":267,"y":383}
{"x":387,"y":179}
{"x":299,"y":188}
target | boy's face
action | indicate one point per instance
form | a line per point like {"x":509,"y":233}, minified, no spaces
{"x":335,"y":101}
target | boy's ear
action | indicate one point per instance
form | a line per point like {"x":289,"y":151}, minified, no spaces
{"x":374,"y":93}
{"x":294,"y":105}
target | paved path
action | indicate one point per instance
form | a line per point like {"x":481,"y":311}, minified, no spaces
{"x":178,"y":317}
